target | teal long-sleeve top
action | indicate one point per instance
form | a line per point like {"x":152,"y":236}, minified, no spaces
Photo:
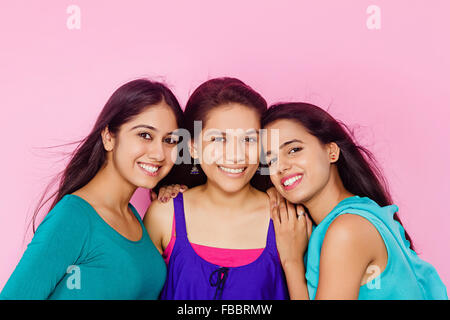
{"x":75,"y":254}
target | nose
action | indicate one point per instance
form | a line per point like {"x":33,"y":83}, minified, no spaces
{"x":283,"y":165}
{"x":156,"y":151}
{"x":235,"y":151}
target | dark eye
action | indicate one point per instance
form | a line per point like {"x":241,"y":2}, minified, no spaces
{"x":171,"y":140}
{"x":218,"y":139}
{"x":250,"y":139}
{"x":293,"y":150}
{"x":272,"y":161}
{"x":145,"y":135}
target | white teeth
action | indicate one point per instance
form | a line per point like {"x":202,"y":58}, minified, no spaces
{"x":232,"y":170}
{"x":291,"y":180}
{"x":148,"y":168}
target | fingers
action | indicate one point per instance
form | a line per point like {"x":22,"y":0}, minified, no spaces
{"x":309,"y":224}
{"x":291,"y":212}
{"x":161,"y":192}
{"x":168,"y":192}
{"x":175,"y":190}
{"x":275,"y":216}
{"x":283,"y":212}
{"x":300,"y":210}
{"x":183,"y":188}
{"x":273,"y":196}
{"x":304,"y":218}
{"x":153,"y":195}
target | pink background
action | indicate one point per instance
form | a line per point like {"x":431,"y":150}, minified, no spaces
{"x":391,"y":85}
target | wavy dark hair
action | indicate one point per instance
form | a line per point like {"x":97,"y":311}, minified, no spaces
{"x":356,"y":165}
{"x":89,"y":156}
{"x":208,"y":96}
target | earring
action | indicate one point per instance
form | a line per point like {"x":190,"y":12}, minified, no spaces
{"x":194,"y":170}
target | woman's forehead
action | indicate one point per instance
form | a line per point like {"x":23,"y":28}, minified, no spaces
{"x":287,"y":128}
{"x":159,"y":116}
{"x":232,"y":116}
{"x":281,"y":132}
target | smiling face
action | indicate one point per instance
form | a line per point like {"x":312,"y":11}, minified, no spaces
{"x":299,"y":164}
{"x":144,"y":150}
{"x":229,"y":146}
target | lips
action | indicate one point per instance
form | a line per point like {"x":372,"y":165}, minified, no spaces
{"x":291,"y":181}
{"x":149,"y":169}
{"x":232,"y":171}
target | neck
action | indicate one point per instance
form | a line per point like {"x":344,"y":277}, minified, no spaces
{"x":228,"y":201}
{"x":108,"y":188}
{"x":324,"y":201}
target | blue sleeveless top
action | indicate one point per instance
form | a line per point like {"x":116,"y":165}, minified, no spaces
{"x":190,"y":277}
{"x":406,"y":276}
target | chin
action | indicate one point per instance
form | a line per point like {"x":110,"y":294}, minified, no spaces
{"x":147,"y":182}
{"x":294,"y":196}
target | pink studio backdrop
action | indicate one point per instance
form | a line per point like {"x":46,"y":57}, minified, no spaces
{"x":390,"y":84}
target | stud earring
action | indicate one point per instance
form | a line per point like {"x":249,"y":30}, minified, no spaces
{"x":195,"y":170}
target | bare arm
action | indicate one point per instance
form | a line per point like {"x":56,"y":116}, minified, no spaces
{"x":348,"y":248}
{"x":158,"y":222}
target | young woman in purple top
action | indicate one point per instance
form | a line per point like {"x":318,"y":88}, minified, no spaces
{"x":224,"y":206}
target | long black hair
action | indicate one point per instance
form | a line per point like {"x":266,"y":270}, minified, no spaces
{"x":89,"y":156}
{"x":356,"y":165}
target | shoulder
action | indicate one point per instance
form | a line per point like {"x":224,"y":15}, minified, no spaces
{"x":69,"y":210}
{"x":351,"y":234}
{"x":67,"y":222}
{"x":348,"y":227}
{"x":159,"y":211}
{"x":158,"y":219}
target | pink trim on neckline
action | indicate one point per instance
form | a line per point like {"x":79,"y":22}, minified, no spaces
{"x":220,"y":256}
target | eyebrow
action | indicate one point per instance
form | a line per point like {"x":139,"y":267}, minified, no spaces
{"x":213,"y":131}
{"x":148,"y":127}
{"x":144,"y":126}
{"x":268,"y":153}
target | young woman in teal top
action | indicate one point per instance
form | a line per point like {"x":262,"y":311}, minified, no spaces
{"x":358,"y":248}
{"x":92,"y":244}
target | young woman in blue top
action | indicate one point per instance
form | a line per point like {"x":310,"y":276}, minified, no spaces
{"x":358,"y":249}
{"x":92,"y":244}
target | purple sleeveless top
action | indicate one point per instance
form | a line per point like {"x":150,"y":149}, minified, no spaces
{"x":189,"y":277}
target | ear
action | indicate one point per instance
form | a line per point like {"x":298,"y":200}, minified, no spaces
{"x":333,"y":152}
{"x":108,"y":139}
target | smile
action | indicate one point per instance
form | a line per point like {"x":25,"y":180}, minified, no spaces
{"x":233,"y":171}
{"x":291,"y":181}
{"x":149,"y":169}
